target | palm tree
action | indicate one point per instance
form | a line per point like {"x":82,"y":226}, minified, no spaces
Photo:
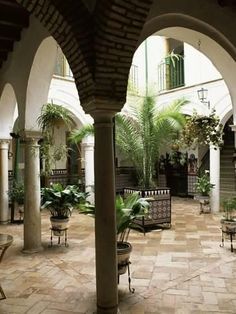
{"x":141,"y":133}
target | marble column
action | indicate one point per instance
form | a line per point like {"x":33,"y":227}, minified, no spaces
{"x":4,"y":205}
{"x":88,"y":146}
{"x":32,"y":214}
{"x":215,"y":178}
{"x":105,"y":220}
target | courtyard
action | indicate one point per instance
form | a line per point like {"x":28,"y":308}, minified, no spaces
{"x":178,"y":270}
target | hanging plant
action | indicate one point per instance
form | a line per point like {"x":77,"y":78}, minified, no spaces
{"x":51,"y":115}
{"x":202,"y":130}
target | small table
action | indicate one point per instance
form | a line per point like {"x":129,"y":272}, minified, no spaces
{"x":5,"y":241}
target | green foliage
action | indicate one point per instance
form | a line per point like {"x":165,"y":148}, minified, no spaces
{"x":144,"y":131}
{"x":203,"y":184}
{"x":127,"y":209}
{"x":200,"y":130}
{"x":61,"y":200}
{"x":78,"y":135}
{"x":52,"y":114}
{"x":17,"y":193}
{"x":229,"y":206}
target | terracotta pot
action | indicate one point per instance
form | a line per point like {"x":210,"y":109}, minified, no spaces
{"x":123,"y":255}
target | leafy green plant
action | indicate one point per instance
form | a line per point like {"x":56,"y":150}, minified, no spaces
{"x":127,"y":209}
{"x":142,"y":132}
{"x":61,"y":200}
{"x":202,"y":130}
{"x":51,"y":115}
{"x":229,"y":207}
{"x":17,"y":193}
{"x":203,"y":185}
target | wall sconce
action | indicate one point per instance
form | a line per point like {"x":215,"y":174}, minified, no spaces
{"x":10,"y":155}
{"x":202,"y":96}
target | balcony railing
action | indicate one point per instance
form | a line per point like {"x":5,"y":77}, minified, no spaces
{"x":170,"y":74}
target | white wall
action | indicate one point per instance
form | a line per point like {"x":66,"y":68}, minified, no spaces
{"x":198,"y":68}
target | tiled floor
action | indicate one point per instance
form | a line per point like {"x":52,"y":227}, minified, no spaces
{"x":180,"y":270}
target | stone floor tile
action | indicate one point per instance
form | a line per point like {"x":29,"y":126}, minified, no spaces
{"x":179,"y":270}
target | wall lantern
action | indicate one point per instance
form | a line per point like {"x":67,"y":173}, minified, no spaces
{"x":202,"y":96}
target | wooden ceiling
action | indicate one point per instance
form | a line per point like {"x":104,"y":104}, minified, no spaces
{"x":13,"y":18}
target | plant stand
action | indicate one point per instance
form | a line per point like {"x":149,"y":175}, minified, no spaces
{"x":59,"y":231}
{"x":204,"y":202}
{"x":129,"y":277}
{"x":231,"y":232}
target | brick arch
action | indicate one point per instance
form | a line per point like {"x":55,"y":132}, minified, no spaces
{"x":67,"y":21}
{"x":99,"y":44}
{"x":117,"y":27}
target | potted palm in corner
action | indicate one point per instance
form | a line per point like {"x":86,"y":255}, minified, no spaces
{"x":60,"y":201}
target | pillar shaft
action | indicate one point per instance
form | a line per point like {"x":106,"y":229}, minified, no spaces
{"x":215,"y":178}
{"x":4,"y":207}
{"x":105,"y":220}
{"x":32,"y":215}
{"x":88,"y":147}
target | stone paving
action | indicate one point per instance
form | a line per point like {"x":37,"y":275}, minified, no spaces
{"x":179,"y":270}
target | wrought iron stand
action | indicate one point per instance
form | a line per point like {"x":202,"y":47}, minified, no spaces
{"x":63,"y":231}
{"x":129,"y":277}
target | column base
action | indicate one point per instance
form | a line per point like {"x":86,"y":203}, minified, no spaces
{"x":110,"y":310}
{"x":32,"y":251}
{"x":4,"y":222}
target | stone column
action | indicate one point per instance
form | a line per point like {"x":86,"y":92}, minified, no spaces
{"x":215,"y":178}
{"x":32,"y":214}
{"x":105,"y":220}
{"x":88,"y":146}
{"x":4,"y":206}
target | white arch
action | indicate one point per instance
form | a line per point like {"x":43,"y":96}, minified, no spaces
{"x":189,"y":29}
{"x":7,"y":109}
{"x":39,"y":81}
{"x":65,"y":94}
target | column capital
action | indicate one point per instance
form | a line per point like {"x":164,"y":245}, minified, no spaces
{"x":29,"y":136}
{"x":4,"y":143}
{"x":98,"y":107}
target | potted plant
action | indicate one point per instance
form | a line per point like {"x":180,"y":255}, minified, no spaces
{"x":202,"y":130}
{"x":203,"y":187}
{"x":228,"y":222}
{"x":50,"y":117}
{"x":60,"y":201}
{"x":17,"y":195}
{"x":140,"y":133}
{"x":127,"y":210}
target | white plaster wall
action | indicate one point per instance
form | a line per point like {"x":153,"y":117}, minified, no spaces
{"x":63,"y":92}
{"x":155,"y":52}
{"x":198,"y":68}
